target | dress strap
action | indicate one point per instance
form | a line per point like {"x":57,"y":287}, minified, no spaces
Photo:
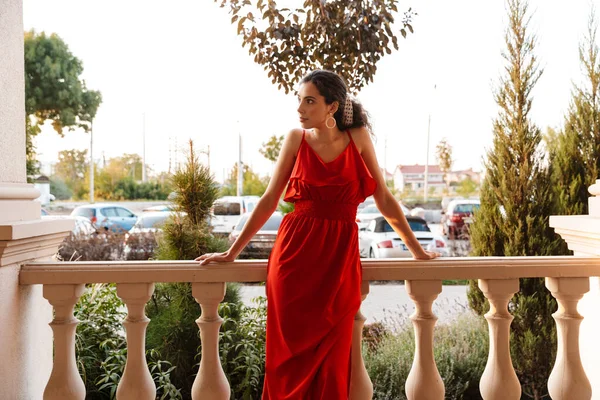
{"x":349,"y":135}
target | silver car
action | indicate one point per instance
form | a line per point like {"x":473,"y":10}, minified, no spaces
{"x":110,"y":216}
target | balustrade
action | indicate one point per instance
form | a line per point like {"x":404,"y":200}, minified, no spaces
{"x":566,"y":277}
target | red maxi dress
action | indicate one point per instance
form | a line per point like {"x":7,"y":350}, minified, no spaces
{"x":313,"y":279}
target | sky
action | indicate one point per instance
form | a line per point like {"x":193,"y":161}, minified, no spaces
{"x":177,"y":72}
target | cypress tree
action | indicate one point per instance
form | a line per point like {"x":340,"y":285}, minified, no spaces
{"x":516,"y":202}
{"x":575,"y":158}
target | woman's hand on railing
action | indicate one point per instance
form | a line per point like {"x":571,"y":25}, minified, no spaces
{"x":426,"y":255}
{"x":215,"y":257}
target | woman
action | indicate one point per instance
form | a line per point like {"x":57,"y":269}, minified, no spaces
{"x":314,"y":271}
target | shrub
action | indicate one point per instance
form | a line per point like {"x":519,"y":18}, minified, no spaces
{"x":460,"y":350}
{"x":102,"y":349}
{"x":104,"y":246}
{"x":141,"y":246}
{"x":59,"y":189}
{"x":373,"y":334}
{"x":242,"y":346}
{"x":185,"y":236}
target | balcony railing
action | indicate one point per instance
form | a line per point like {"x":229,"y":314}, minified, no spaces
{"x":566,"y":278}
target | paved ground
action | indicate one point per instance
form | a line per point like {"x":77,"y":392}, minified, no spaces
{"x":391,"y":305}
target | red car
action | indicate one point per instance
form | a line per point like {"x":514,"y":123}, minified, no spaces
{"x":459,"y":213}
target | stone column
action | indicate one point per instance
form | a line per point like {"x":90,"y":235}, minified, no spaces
{"x":26,"y":338}
{"x":582,"y":234}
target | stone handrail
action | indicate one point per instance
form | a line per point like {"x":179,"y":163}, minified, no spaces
{"x":566,"y":278}
{"x":256,"y":270}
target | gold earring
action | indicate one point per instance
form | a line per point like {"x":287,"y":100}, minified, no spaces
{"x":334,"y":122}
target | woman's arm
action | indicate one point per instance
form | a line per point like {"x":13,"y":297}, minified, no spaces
{"x":385,"y":201}
{"x":268,"y":201}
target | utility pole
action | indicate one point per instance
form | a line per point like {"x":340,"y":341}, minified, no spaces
{"x":92,"y":161}
{"x":169,"y":171}
{"x":426,"y":187}
{"x":240,"y":176}
{"x":144,"y":177}
{"x":175,"y":151}
{"x":427,"y":160}
{"x":385,"y":159}
{"x":207,"y":152}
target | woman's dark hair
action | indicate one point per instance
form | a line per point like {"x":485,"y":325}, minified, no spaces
{"x":331,"y":86}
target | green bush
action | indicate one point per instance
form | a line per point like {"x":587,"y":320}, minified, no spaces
{"x":460,"y":350}
{"x":59,"y":189}
{"x":102,"y":350}
{"x":173,"y":331}
{"x":242,"y":347}
{"x":173,"y":310}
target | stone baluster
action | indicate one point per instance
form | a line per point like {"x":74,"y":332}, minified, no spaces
{"x":136,"y":382}
{"x":65,"y":382}
{"x":361,"y":387}
{"x":568,"y":380}
{"x":211,"y":382}
{"x":424,"y":381}
{"x":499,"y":380}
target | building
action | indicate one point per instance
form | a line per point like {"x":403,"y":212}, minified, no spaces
{"x":387,"y":175}
{"x":459,"y":176}
{"x":412,"y":178}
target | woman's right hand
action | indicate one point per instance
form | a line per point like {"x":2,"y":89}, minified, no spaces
{"x":215,"y":257}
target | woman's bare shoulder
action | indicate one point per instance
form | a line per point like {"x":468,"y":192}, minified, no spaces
{"x":295,"y":134}
{"x":293,"y":140}
{"x":361,"y":137}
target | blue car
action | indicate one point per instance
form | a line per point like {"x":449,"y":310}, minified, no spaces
{"x":110,"y":216}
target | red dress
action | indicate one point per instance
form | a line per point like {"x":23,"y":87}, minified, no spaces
{"x":313,"y":279}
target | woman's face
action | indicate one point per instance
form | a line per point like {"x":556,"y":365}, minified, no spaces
{"x":312,"y":109}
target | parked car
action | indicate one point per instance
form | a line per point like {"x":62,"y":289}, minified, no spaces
{"x":379,"y":240}
{"x":83,"y":226}
{"x":368,"y":202}
{"x":368,"y":213}
{"x":160,"y":207}
{"x":110,"y":216}
{"x":151,"y":221}
{"x":458,"y":216}
{"x":140,"y":242}
{"x":262,"y":242}
{"x":227,"y":211}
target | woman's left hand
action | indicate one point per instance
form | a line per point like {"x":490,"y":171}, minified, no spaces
{"x":427,"y":255}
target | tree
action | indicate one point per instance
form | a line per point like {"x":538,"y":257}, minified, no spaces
{"x":348,"y":37}
{"x":575,"y":156}
{"x":466,"y":187}
{"x":443,"y":153}
{"x":186,"y":236}
{"x":54,"y":90}
{"x":252,"y":183}
{"x":71,"y":168}
{"x":116,"y":170}
{"x":271,"y":149}
{"x":518,"y":180}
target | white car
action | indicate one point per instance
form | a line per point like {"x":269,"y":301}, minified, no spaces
{"x":147,"y":226}
{"x":83,"y":227}
{"x":379,"y":240}
{"x":366,"y":215}
{"x":227,"y":211}
{"x":370,"y":212}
